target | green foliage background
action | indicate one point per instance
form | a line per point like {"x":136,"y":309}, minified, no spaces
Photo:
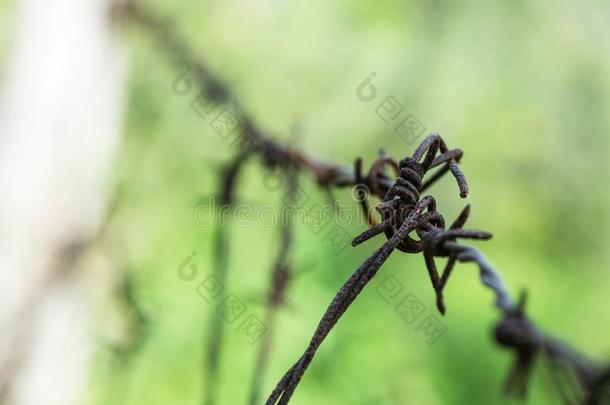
{"x":522,"y":87}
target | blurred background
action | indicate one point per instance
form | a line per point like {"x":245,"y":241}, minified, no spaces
{"x":522,"y":87}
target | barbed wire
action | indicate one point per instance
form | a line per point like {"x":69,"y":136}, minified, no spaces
{"x":402,"y":213}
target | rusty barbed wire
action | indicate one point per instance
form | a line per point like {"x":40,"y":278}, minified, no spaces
{"x":404,"y":195}
{"x":402,"y":212}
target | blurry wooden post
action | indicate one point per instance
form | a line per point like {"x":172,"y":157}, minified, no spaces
{"x":60,"y":117}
